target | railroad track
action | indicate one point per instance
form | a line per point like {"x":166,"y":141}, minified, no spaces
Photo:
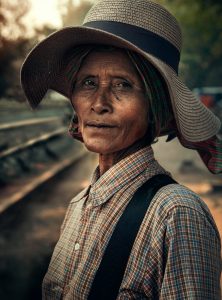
{"x":32,"y":142}
{"x":31,"y":152}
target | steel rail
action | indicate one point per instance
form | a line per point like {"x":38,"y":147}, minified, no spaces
{"x":20,"y":190}
{"x":32,"y":142}
{"x":28,"y":122}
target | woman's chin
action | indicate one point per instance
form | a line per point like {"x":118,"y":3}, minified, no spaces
{"x":100,"y":146}
{"x":98,"y":149}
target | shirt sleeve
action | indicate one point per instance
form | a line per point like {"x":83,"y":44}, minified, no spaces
{"x":192,"y":257}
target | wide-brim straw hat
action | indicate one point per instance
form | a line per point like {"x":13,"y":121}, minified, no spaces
{"x":142,"y":26}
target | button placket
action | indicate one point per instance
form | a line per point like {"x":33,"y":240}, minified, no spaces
{"x":83,"y":228}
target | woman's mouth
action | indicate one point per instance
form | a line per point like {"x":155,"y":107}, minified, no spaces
{"x":100,"y":125}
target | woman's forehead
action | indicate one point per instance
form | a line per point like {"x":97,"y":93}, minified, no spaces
{"x":115,"y":60}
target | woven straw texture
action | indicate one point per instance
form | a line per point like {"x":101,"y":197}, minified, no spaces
{"x":141,"y":13}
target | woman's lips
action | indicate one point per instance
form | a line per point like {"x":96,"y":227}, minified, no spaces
{"x":100,"y":125}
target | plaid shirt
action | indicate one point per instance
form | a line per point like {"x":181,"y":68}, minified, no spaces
{"x":176,"y":254}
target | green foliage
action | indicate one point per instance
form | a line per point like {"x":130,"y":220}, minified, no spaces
{"x":201,"y":22}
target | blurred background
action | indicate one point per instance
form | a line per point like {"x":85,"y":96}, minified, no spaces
{"x":42,"y":168}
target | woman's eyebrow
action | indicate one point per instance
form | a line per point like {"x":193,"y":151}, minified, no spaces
{"x":132,"y":78}
{"x":85,"y":75}
{"x":122,"y":78}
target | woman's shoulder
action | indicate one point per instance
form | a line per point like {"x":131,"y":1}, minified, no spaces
{"x":179,"y":206}
{"x":178,"y":195}
{"x":177,"y":198}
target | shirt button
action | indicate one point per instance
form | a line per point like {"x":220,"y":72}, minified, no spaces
{"x":67,"y":289}
{"x":77,"y":246}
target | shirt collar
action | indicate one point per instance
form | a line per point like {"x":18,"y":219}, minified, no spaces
{"x":104,"y":187}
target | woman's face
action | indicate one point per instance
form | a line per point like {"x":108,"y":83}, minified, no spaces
{"x":109,"y":100}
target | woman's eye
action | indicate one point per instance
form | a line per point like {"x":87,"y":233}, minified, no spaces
{"x":88,"y":83}
{"x":122,"y":85}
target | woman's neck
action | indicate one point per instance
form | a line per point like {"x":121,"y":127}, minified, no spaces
{"x":106,"y":161}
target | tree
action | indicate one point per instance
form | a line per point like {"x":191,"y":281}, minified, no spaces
{"x":14,"y":45}
{"x":74,"y":14}
{"x":11,"y":25}
{"x":12,"y":41}
{"x":201,"y":22}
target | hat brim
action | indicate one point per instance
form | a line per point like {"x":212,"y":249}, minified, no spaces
{"x":42,"y":67}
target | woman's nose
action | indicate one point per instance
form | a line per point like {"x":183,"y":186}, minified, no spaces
{"x":102,"y":102}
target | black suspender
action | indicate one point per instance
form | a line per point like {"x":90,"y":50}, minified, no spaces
{"x":109,"y":276}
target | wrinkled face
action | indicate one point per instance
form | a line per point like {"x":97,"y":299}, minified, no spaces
{"x":109,"y":100}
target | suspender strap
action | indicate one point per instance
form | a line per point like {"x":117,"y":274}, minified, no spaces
{"x":109,"y":276}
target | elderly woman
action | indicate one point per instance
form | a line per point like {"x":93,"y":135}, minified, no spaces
{"x":134,"y":233}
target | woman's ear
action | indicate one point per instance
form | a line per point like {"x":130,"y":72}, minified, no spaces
{"x":74,"y":128}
